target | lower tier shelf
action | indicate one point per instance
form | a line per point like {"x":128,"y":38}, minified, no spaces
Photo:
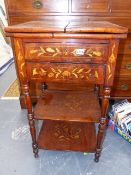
{"x":70,"y":136}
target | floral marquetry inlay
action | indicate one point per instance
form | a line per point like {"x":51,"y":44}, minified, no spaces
{"x":63,"y":132}
{"x":111,"y":61}
{"x":69,"y":51}
{"x":45,"y":51}
{"x":20,"y":58}
{"x":65,"y":73}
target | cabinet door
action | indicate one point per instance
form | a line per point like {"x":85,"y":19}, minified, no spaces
{"x":36,"y":6}
{"x":90,"y":6}
{"x":121,"y":6}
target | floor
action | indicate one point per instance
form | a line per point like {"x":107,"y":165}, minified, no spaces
{"x":16,"y":156}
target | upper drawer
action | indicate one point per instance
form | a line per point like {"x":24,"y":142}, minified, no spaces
{"x":37,"y":6}
{"x":90,"y":6}
{"x":66,"y":52}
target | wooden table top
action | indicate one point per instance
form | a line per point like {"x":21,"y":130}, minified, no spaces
{"x":95,"y":26}
{"x":66,"y":27}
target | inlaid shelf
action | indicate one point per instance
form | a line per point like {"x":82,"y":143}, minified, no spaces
{"x":69,"y":136}
{"x":69,"y":120}
{"x":78,"y":106}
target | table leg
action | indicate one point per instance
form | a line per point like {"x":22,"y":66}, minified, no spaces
{"x":102,"y":124}
{"x":31,"y":119}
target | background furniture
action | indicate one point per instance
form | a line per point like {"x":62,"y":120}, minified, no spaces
{"x":116,"y":11}
{"x":67,"y":52}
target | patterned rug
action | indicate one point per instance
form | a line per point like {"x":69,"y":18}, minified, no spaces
{"x":12,"y":91}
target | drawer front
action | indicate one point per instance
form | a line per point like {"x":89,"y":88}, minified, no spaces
{"x":121,"y":6}
{"x":121,"y":87}
{"x":37,"y":6}
{"x":90,"y":6}
{"x":123,"y":66}
{"x":66,"y":53}
{"x":72,"y":73}
{"x":125,"y":46}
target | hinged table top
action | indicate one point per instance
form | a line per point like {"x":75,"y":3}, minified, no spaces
{"x":66,"y":27}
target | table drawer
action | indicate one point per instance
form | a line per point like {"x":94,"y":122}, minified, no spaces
{"x":75,"y":73}
{"x":66,"y":52}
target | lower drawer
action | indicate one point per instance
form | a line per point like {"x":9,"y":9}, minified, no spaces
{"x":74,"y":73}
{"x":121,"y":87}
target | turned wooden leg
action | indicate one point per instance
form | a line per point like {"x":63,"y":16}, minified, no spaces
{"x":31,"y":119}
{"x":102,"y":124}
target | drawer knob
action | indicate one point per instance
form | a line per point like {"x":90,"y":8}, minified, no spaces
{"x":128,"y":66}
{"x":37,"y":4}
{"x":124,"y":87}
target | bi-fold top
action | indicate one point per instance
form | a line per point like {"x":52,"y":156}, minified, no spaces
{"x":66,"y":27}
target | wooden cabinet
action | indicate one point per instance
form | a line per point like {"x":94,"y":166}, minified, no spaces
{"x":72,"y":53}
{"x":115,"y":11}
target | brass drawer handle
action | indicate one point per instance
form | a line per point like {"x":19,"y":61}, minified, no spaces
{"x":124,"y":87}
{"x":128,"y":66}
{"x":37,"y":4}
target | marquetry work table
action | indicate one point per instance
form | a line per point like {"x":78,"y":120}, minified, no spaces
{"x":67,"y":52}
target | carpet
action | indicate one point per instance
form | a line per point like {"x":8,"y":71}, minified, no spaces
{"x":12,"y":91}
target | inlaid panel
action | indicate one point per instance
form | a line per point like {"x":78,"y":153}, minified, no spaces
{"x":67,"y":136}
{"x":66,"y":73}
{"x":66,"y":52}
{"x":75,"y":102}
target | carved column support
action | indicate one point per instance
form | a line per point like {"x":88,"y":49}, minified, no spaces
{"x":30,"y":119}
{"x":102,"y":124}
